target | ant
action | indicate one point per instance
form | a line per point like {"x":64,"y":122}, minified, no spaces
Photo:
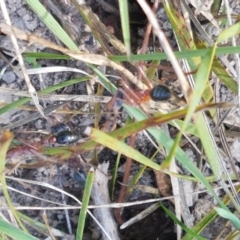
{"x":157,"y":93}
{"x":125,"y":94}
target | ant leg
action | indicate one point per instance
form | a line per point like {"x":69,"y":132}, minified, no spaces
{"x":129,"y":94}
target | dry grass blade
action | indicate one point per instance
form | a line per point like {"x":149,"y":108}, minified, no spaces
{"x":55,"y":69}
{"x":88,"y":58}
{"x":13,"y":36}
{"x":111,"y":205}
{"x":60,"y":97}
{"x":45,"y":219}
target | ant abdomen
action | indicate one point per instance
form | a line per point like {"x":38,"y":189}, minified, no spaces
{"x":160,"y":93}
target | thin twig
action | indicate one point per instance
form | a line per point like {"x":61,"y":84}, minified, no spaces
{"x":111,"y":205}
{"x":122,"y":194}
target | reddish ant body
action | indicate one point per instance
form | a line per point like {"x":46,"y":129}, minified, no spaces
{"x":157,"y":93}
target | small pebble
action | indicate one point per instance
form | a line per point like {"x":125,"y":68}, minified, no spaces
{"x":38,"y":124}
{"x":95,"y":234}
{"x":9,"y":77}
{"x":60,"y":216}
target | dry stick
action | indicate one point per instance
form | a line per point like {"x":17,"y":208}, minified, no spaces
{"x":85,"y":57}
{"x":148,"y":29}
{"x":142,"y":215}
{"x":13,"y":36}
{"x":45,"y":219}
{"x":146,"y":38}
{"x":100,"y":196}
{"x":122,"y":193}
{"x":111,"y":205}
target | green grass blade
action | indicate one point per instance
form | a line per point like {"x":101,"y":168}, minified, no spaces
{"x":120,"y":147}
{"x":190,"y":128}
{"x":230,"y":216}
{"x":152,"y":69}
{"x":202,"y":75}
{"x":124,"y":13}
{"x":5,"y":141}
{"x":9,"y":202}
{"x":183,"y":54}
{"x":103,"y":80}
{"x":200,"y":226}
{"x":224,"y":76}
{"x":85,"y":202}
{"x":188,"y":230}
{"x":180,"y":155}
{"x":45,"y":55}
{"x":51,"y":23}
{"x":201,"y":81}
{"x":14,"y":232}
{"x":114,"y":176}
{"x":40,"y":227}
{"x":208,"y":218}
{"x":135,"y":180}
{"x":215,"y":7}
{"x":206,"y":140}
{"x":228,"y":33}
